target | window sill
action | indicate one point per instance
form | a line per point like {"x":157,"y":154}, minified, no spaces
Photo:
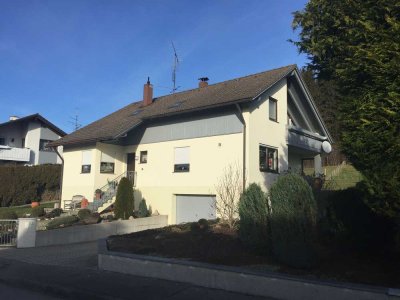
{"x":112,"y":173}
{"x":275,"y":121}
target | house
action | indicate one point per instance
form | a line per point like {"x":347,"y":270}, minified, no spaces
{"x":24,"y":141}
{"x":175,"y":148}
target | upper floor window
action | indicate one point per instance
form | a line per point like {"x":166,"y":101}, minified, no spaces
{"x":273,"y":109}
{"x":181,"y":163}
{"x":43,"y":145}
{"x":268,"y":159}
{"x":86,"y":161}
{"x":107,"y":163}
{"x":2,"y":141}
{"x":143,"y":157}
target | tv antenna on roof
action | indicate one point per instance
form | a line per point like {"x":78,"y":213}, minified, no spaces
{"x":175,"y":66}
{"x":75,"y":121}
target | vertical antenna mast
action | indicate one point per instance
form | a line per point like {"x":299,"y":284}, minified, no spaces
{"x":75,"y":121}
{"x":175,"y":66}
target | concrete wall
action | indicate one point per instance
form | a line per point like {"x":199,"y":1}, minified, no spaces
{"x":86,"y":233}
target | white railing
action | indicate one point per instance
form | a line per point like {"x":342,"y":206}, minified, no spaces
{"x":15,"y":154}
{"x":8,"y":232}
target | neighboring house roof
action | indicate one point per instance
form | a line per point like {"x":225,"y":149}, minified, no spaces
{"x":36,"y":117}
{"x":237,"y":90}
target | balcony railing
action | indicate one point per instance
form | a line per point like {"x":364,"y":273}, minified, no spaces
{"x":15,"y":154}
{"x":304,"y":139}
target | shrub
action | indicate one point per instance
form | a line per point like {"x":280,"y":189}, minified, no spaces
{"x":8,"y":214}
{"x":143,"y":211}
{"x":124,"y":202}
{"x":92,"y":218}
{"x":203,"y":224}
{"x":62,"y":222}
{"x":293,"y":221}
{"x":54,"y":213}
{"x":37,"y":211}
{"x":84,"y":213}
{"x":253,"y":214}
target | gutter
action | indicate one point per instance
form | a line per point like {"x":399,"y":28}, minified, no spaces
{"x":62,"y":171}
{"x":242,"y":120}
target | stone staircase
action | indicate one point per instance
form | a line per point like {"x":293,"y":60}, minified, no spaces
{"x":109,"y":192}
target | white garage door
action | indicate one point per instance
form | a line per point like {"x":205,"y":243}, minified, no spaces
{"x":191,"y":208}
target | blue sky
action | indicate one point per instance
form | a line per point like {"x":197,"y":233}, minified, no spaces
{"x":62,"y":58}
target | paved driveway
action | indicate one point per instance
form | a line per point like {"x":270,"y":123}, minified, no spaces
{"x":81,"y":255}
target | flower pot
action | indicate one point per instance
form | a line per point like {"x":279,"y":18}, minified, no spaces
{"x":84,"y":203}
{"x":34,"y":204}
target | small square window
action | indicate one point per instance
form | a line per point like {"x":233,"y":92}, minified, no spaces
{"x":143,"y":157}
{"x":273,"y":109}
{"x":86,"y":168}
{"x":268,"y":159}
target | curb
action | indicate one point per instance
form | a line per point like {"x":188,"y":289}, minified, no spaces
{"x":233,"y":279}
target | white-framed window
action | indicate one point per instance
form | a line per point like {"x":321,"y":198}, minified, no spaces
{"x":268,"y":159}
{"x":107,"y":163}
{"x":86,"y":161}
{"x":273,"y":109}
{"x":182,"y":159}
{"x":143,"y":157}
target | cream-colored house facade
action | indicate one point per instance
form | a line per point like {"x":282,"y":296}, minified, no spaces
{"x":176,"y":148}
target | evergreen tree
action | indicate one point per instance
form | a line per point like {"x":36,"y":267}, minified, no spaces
{"x":124,"y":202}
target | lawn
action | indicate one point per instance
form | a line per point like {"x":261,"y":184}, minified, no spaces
{"x":22,"y":210}
{"x":220,"y":245}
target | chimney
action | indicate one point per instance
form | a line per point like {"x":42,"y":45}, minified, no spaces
{"x":13,"y":118}
{"x":147,"y":93}
{"x":203,"y":82}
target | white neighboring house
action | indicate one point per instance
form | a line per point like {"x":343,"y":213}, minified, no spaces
{"x":24,"y":141}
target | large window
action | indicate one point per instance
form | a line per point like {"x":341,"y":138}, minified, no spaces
{"x":107,"y":163}
{"x":43,"y":145}
{"x":86,"y":161}
{"x":181,"y":163}
{"x":273,"y":109}
{"x":268,"y":159}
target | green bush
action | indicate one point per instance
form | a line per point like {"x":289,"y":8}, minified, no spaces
{"x":84,"y":213}
{"x":293,"y":221}
{"x":54,"y":213}
{"x":203,"y":224}
{"x":92,"y":218}
{"x":124,"y":202}
{"x":20,"y":184}
{"x":253,"y":212}
{"x":8,"y":214}
{"x":62,"y":222}
{"x":37,"y":212}
{"x":143,"y":210}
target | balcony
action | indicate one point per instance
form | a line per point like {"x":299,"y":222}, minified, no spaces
{"x":304,"y":139}
{"x":15,"y":154}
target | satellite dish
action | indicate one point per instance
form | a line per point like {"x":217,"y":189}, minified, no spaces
{"x":326,"y":147}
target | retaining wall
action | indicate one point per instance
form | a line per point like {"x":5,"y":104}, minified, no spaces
{"x":87,"y":233}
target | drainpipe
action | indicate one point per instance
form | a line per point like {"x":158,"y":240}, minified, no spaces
{"x":240,"y":116}
{"x":62,"y":172}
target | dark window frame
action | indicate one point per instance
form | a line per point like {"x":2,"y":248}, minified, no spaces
{"x":266,"y":159}
{"x":4,"y":141}
{"x":107,"y":170}
{"x":143,"y":157}
{"x":86,"y":169}
{"x":42,"y":145}
{"x":275,"y":101}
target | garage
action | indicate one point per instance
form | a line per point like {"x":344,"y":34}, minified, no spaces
{"x":191,"y":208}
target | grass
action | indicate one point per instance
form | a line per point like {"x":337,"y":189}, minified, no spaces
{"x":22,"y":210}
{"x":348,"y":177}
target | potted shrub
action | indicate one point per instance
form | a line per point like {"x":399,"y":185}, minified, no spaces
{"x":98,"y":194}
{"x":84,"y":203}
{"x":35,"y":203}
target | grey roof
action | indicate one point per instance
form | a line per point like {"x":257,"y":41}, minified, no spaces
{"x":215,"y":95}
{"x":35,"y":117}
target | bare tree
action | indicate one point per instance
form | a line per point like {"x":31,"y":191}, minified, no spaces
{"x":229,"y":189}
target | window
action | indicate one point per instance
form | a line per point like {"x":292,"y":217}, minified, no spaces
{"x":182,"y":159}
{"x":23,"y":143}
{"x":143,"y":157}
{"x":86,"y":161}
{"x":2,"y":141}
{"x":43,"y":145}
{"x":273,"y":109}
{"x":268,"y":159}
{"x":106,"y":163}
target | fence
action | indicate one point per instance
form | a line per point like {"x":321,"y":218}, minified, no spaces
{"x":8,"y":232}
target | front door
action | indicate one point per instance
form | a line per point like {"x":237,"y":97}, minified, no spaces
{"x":130,"y":167}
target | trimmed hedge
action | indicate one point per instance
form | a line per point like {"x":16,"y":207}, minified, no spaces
{"x":37,"y":211}
{"x":62,"y":222}
{"x":8,"y":214}
{"x":124,"y":202}
{"x":22,"y":185}
{"x":253,"y":212}
{"x":293,"y":221}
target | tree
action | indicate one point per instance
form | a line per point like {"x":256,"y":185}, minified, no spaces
{"x":229,"y":189}
{"x":357,"y":44}
{"x":124,"y":202}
